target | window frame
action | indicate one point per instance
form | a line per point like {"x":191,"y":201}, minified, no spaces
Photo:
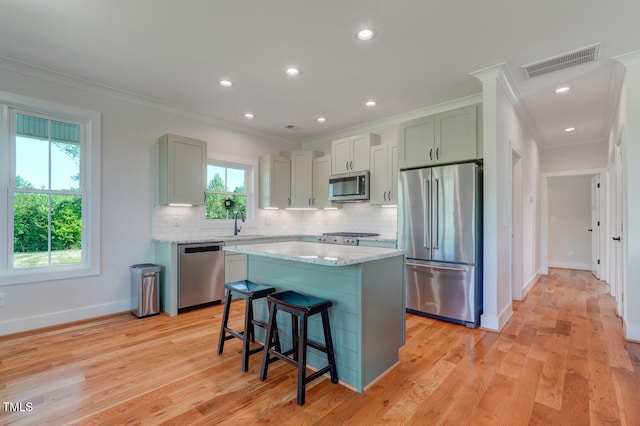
{"x":12,"y":104}
{"x":250,"y":209}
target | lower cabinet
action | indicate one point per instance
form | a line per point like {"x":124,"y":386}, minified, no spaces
{"x":235,"y":267}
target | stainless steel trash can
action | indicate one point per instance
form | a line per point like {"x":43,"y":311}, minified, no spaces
{"x":145,"y":296}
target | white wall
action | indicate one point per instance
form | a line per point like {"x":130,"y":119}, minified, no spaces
{"x":569,"y":218}
{"x":631,"y":221}
{"x":129,"y":174}
{"x":574,"y":157}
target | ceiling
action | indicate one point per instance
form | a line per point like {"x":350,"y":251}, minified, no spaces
{"x":173,"y":54}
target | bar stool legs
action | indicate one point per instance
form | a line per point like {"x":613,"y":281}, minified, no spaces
{"x":249,"y":291}
{"x":301,"y":308}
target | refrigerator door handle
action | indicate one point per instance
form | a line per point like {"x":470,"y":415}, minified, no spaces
{"x":448,"y":268}
{"x":426,"y":243}
{"x":437,"y":221}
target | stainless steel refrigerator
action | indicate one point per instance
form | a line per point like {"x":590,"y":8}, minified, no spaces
{"x":440,"y":229}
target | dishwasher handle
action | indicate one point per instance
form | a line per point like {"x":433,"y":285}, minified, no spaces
{"x":201,"y":249}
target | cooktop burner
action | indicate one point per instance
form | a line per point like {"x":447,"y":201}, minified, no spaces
{"x":350,"y":234}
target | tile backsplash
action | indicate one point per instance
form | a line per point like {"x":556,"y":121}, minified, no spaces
{"x":170,"y":223}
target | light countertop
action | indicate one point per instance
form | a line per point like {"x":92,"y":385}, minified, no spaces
{"x":321,"y":254}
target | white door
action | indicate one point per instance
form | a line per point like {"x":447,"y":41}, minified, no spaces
{"x":595,"y":226}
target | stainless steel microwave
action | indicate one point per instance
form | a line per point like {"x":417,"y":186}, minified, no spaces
{"x":348,"y":187}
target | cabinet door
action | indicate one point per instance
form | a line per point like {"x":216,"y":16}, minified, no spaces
{"x":321,"y":173}
{"x":416,"y":143}
{"x":183,"y":168}
{"x":360,"y":146}
{"x":456,"y":135}
{"x":341,"y":155}
{"x":379,"y":178}
{"x":275,"y":182}
{"x":392,"y":197}
{"x":301,"y":178}
{"x":235,"y":267}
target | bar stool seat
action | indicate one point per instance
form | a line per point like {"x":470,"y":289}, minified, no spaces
{"x":249,"y":291}
{"x":301,"y":307}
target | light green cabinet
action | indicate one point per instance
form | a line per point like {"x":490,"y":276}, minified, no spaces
{"x":447,"y":137}
{"x":183,"y":170}
{"x":321,"y":173}
{"x":351,"y":154}
{"x":384,"y":175}
{"x":302,"y":178}
{"x":275,"y":182}
{"x":235,"y":267}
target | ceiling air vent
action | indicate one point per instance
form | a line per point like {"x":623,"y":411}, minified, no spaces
{"x":564,"y":61}
{"x":291,"y":127}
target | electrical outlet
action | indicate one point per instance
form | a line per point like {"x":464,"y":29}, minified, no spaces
{"x":176,"y":221}
{"x":1,"y":300}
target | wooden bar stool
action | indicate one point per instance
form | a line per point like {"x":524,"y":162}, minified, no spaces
{"x":249,"y":291}
{"x":301,"y":307}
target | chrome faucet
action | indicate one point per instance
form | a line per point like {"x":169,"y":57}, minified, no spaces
{"x":235,"y":224}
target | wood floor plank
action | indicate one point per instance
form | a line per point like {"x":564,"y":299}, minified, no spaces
{"x":561,"y":359}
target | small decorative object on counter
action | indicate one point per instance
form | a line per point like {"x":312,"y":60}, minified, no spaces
{"x":228,"y":203}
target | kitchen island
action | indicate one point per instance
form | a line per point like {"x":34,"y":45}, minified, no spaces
{"x":366,"y":287}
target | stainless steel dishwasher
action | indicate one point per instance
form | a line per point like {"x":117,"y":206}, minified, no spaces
{"x":200,"y":274}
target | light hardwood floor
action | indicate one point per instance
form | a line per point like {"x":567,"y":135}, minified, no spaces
{"x":561,"y":359}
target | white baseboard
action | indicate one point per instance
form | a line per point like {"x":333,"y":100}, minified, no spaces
{"x":529,"y":285}
{"x":55,"y":318}
{"x":632,"y":332}
{"x":570,"y":265}
{"x":495,"y":323}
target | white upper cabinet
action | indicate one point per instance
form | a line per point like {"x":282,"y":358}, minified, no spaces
{"x":456,"y":135}
{"x":321,"y":173}
{"x":447,"y":137}
{"x":302,"y":178}
{"x":275,"y":182}
{"x":384,"y":175}
{"x":183,"y":170}
{"x":351,"y":154}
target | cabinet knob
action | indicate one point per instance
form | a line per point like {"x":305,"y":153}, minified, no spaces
{"x":346,"y":165}
{"x":438,"y":153}
{"x":351,"y":164}
{"x":430,"y":153}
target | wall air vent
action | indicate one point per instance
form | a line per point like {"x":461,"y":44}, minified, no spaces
{"x":564,"y":61}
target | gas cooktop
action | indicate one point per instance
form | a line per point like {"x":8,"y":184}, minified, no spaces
{"x":349,"y":238}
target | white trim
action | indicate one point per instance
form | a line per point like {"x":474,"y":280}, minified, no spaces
{"x":570,"y":265}
{"x":92,"y":187}
{"x":632,"y":332}
{"x":55,"y":318}
{"x":530,"y":284}
{"x":396,"y":119}
{"x":494,"y":323}
{"x":131,"y":97}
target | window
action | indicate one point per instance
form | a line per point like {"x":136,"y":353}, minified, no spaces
{"x":50,"y":216}
{"x":227,"y":189}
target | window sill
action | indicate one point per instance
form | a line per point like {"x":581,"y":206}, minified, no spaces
{"x":48,"y":274}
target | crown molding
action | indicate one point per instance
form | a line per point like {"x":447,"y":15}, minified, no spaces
{"x":397,"y":119}
{"x":628,"y":59}
{"x":46,"y":74}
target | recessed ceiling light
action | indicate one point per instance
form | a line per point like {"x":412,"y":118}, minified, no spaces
{"x":226,"y":83}
{"x":321,"y":119}
{"x":365,"y":34}
{"x":249,"y":116}
{"x":371,"y":103}
{"x":570,"y":129}
{"x":562,"y":89}
{"x":292,"y":72}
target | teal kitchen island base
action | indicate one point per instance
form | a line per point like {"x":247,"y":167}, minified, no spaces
{"x":366,"y":288}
